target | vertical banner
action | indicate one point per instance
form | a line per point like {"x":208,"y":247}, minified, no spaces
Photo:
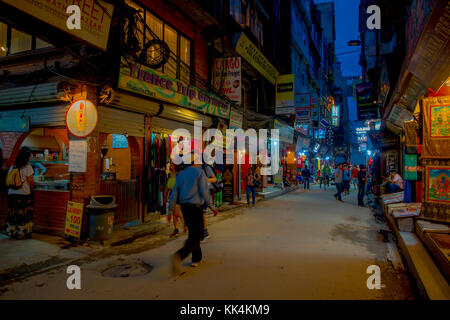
{"x":303,"y":106}
{"x":285,"y":94}
{"x":314,"y":107}
{"x":227,"y":77}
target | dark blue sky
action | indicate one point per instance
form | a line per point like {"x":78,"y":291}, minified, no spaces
{"x":346,"y":29}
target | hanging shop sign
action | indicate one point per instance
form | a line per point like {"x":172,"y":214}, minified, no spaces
{"x":335,"y":111}
{"x":285,"y":94}
{"x":399,"y":115}
{"x":81,"y":118}
{"x":324,"y":123}
{"x":366,"y":107}
{"x":227,"y":78}
{"x":16,"y":124}
{"x":95,"y":17}
{"x":438,"y":184}
{"x":74,"y":218}
{"x":77,"y":155}
{"x":236,"y":119}
{"x":145,"y":81}
{"x":246,"y":48}
{"x":286,"y":133}
{"x":314,"y":107}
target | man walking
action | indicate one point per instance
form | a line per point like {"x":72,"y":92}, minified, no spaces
{"x":191,"y":192}
{"x":362,"y":179}
{"x":338,"y":178}
{"x":306,"y":174}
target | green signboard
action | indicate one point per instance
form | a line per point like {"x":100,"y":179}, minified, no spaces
{"x":145,"y":81}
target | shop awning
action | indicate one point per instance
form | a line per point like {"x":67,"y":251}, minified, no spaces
{"x":40,"y":117}
{"x":39,"y":93}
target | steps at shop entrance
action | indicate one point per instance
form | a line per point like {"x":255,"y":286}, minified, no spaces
{"x":430,"y":280}
{"x":272,"y":192}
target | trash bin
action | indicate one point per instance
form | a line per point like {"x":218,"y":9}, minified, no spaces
{"x":101,"y":212}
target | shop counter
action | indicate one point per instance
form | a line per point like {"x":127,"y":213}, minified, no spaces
{"x":50,"y":210}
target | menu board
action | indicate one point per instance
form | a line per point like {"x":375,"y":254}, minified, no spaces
{"x":77,"y":155}
{"x":228,"y":184}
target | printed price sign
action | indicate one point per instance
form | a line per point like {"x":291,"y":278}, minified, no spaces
{"x":74,"y":218}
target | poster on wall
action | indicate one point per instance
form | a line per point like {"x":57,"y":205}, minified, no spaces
{"x":438,"y":184}
{"x":227,"y":77}
{"x":77,"y":155}
{"x":440,"y":121}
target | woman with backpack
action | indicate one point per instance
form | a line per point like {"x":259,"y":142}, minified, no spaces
{"x":20,"y":198}
{"x":253,"y":181}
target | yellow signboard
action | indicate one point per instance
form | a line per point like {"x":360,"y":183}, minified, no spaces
{"x":285,"y":94}
{"x":146,"y":81}
{"x":95,"y":17}
{"x":74,"y":218}
{"x":255,"y":57}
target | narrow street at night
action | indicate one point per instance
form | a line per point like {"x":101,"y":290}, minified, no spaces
{"x":302,"y":245}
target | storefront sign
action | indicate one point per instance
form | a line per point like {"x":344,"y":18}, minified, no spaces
{"x":302,"y":128}
{"x":74,"y":218}
{"x":285,"y":95}
{"x":366,"y":107}
{"x":286,"y":132}
{"x":236,"y":119}
{"x":438,"y":184}
{"x":303,"y":113}
{"x":227,"y":77}
{"x":255,"y":57}
{"x":95,"y":17}
{"x":20,"y":124}
{"x":440,"y":121}
{"x":81,"y":118}
{"x":77,"y":155}
{"x":145,"y":81}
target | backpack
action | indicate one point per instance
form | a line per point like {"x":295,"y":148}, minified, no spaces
{"x":215,"y":186}
{"x":14,"y":179}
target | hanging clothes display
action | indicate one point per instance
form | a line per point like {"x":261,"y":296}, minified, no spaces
{"x":156,"y":173}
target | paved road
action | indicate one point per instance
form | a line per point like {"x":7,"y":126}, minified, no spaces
{"x":303,"y":245}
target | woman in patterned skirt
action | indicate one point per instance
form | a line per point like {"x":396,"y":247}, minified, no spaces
{"x":20,"y":201}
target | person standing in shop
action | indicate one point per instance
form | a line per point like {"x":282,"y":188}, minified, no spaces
{"x":338,"y":178}
{"x":191,"y":192}
{"x":362,"y":179}
{"x":306,"y":174}
{"x":20,"y":198}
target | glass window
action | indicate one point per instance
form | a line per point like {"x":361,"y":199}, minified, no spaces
{"x":3,"y":39}
{"x":185,"y":58}
{"x":157,"y":27}
{"x":171,"y":38}
{"x":42,"y":44}
{"x":20,"y":41}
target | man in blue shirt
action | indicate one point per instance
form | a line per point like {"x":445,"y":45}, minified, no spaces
{"x":191,"y":192}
